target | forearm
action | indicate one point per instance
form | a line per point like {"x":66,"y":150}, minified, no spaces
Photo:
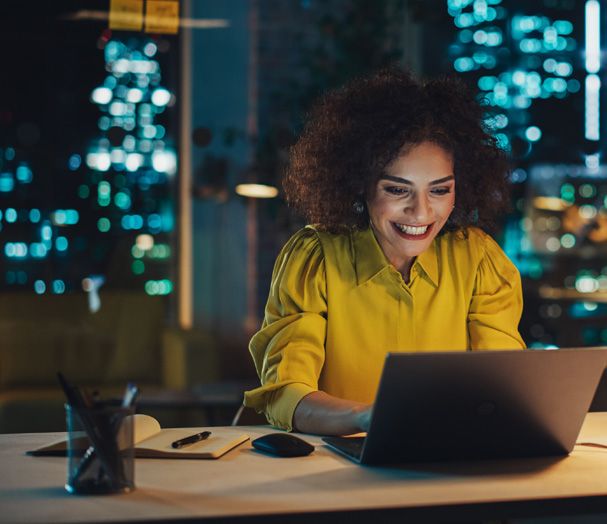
{"x":323,"y":414}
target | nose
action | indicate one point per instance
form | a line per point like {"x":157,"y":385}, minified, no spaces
{"x":419,"y":210}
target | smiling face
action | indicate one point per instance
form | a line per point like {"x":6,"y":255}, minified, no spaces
{"x":411,"y":202}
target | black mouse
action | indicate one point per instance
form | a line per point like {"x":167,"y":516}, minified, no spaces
{"x":283,"y":445}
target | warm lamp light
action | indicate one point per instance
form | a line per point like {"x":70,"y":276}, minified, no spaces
{"x":256,"y":191}
{"x":550,"y":203}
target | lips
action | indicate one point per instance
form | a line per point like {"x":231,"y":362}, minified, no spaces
{"x":412,"y":232}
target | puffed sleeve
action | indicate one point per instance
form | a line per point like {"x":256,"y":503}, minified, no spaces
{"x":497,"y":301}
{"x":289,"y":350}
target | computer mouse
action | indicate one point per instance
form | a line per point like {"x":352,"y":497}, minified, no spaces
{"x":283,"y":445}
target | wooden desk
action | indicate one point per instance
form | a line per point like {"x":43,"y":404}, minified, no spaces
{"x":245,"y":484}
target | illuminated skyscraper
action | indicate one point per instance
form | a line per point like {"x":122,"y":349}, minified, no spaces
{"x":101,"y":213}
{"x":538,"y":67}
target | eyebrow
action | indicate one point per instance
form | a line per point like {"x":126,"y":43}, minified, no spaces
{"x":408,"y":182}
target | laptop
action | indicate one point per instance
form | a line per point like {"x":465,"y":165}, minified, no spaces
{"x":477,"y":405}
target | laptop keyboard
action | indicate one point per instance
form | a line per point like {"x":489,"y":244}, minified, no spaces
{"x":351,"y":446}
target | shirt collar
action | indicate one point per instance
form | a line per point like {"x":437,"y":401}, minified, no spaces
{"x":370,"y":261}
{"x":428,"y":261}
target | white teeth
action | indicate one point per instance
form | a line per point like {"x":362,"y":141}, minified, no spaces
{"x":412,"y":230}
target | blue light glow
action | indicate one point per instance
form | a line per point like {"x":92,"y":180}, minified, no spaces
{"x":104,"y":123}
{"x":7,"y":182}
{"x":104,"y":225}
{"x":465,"y":36}
{"x":74,"y":162}
{"x":46,"y":232}
{"x":550,"y":37}
{"x":563,"y":27}
{"x":104,"y":193}
{"x":150,"y":49}
{"x":158,"y":287}
{"x":118,"y":109}
{"x":101,"y":95}
{"x":559,"y":85}
{"x":134,"y":95}
{"x":118,"y":156}
{"x":592,"y":115}
{"x":113,"y":49}
{"x":145,"y":120}
{"x":494,"y":38}
{"x":161,"y":97}
{"x":24,"y":174}
{"x":149,"y":131}
{"x":530,"y":45}
{"x":501,"y":121}
{"x":480,"y":37}
{"x":134,"y":161}
{"x":164,"y":162}
{"x":519,"y":78}
{"x":563,"y":44}
{"x":35,"y":216}
{"x":155,"y":222}
{"x":110,"y":81}
{"x":533,"y":133}
{"x":146,"y":110}
{"x":58,"y":217}
{"x":100,"y":161}
{"x":503,"y":141}
{"x":129,"y":143}
{"x":10,"y":215}
{"x":58,"y":287}
{"x":593,"y":36}
{"x":550,"y":65}
{"x":122,"y":200}
{"x":38,"y":250}
{"x":16,"y":249}
{"x":486,"y":83}
{"x":132,"y":222}
{"x":564,"y":69}
{"x":65,"y":217}
{"x":61,"y":244}
{"x":518,"y":176}
{"x":39,"y":287}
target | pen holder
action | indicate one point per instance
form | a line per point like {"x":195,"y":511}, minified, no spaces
{"x":100,"y":452}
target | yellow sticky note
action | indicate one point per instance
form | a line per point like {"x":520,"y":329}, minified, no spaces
{"x":126,"y":14}
{"x":162,"y":16}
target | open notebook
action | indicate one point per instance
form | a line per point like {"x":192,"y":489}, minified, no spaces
{"x":151,"y":441}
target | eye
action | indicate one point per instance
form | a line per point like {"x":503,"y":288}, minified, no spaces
{"x":440,"y":191}
{"x":397,"y":190}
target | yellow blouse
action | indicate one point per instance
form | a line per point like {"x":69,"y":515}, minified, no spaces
{"x":337,"y":306}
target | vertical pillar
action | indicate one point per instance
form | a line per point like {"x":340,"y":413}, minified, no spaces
{"x":251,"y":320}
{"x":184,"y":273}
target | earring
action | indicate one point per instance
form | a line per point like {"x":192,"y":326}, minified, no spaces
{"x":359,"y":207}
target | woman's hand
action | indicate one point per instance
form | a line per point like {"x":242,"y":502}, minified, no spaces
{"x":364,"y":418}
{"x":323,"y":414}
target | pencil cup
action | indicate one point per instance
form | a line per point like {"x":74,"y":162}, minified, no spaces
{"x":100,"y":452}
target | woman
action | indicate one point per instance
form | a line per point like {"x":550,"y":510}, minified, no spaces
{"x":394,"y":261}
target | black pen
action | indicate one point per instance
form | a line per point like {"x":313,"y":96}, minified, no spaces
{"x":191,"y":439}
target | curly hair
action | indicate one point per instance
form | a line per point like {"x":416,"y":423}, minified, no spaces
{"x":354,"y":132}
